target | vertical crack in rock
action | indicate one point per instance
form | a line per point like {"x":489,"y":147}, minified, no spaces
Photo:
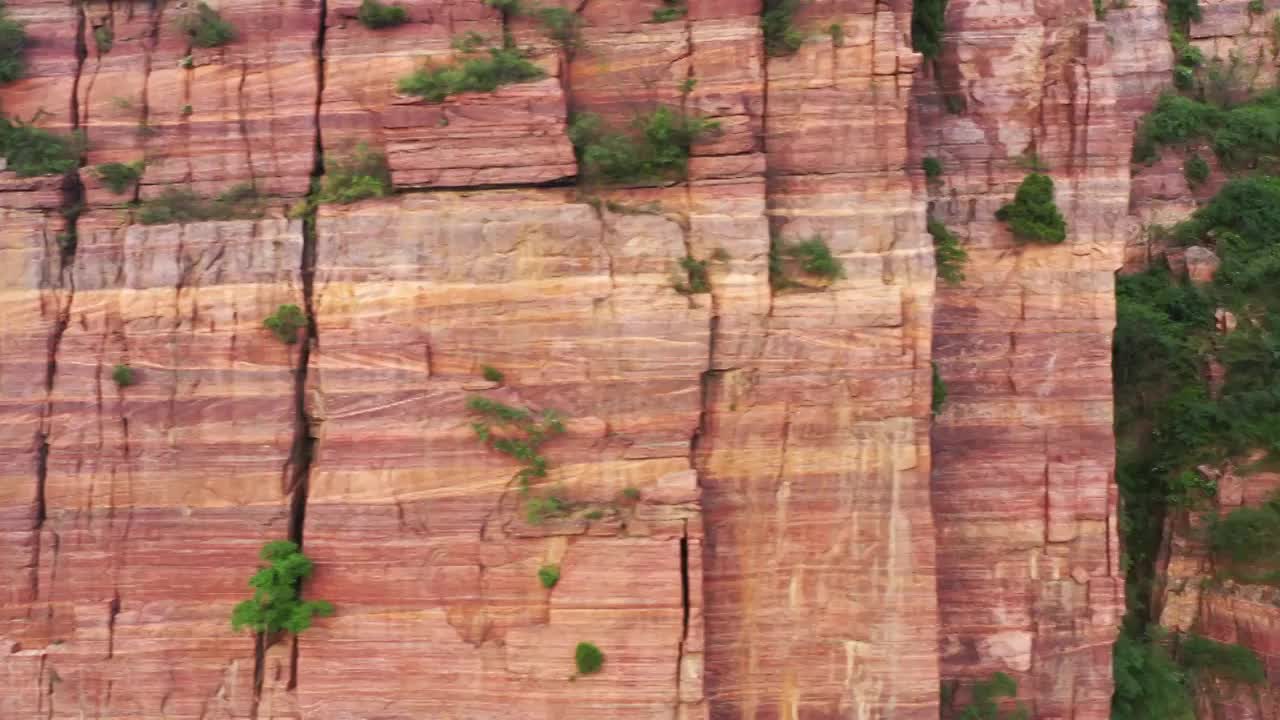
{"x":684,"y":627}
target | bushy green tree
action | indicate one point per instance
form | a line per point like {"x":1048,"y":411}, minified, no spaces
{"x":375,"y":15}
{"x":276,"y":605}
{"x":928,"y":23}
{"x":1033,"y":216}
{"x":204,"y":26}
{"x":655,"y":149}
{"x":13,"y":47}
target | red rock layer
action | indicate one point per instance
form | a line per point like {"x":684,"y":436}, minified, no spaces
{"x":1029,"y":576}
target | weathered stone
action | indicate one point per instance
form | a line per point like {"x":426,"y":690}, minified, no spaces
{"x":1202,"y":264}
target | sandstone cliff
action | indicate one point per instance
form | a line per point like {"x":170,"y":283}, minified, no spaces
{"x":764,"y":518}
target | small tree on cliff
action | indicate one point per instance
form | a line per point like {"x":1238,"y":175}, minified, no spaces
{"x":275,"y":605}
{"x":1033,"y":216}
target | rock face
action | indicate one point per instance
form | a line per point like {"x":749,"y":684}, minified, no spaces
{"x":759,"y":516}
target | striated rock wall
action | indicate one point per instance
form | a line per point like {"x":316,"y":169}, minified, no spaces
{"x":800,"y":546}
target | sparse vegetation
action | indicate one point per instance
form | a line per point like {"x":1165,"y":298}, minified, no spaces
{"x":491,"y":373}
{"x":932,"y":168}
{"x":696,"y":279}
{"x":375,"y":15}
{"x":655,"y":150}
{"x":631,"y":493}
{"x":184,"y":206}
{"x":928,"y":23}
{"x":502,"y":66}
{"x":204,"y":26}
{"x":1148,"y":684}
{"x":362,"y":174}
{"x":836,"y":31}
{"x":812,"y":255}
{"x":103,"y":38}
{"x":276,"y":605}
{"x":285,"y":323}
{"x":1196,"y":170}
{"x":13,"y":47}
{"x":588,"y":658}
{"x":985,"y":704}
{"x":781,"y":37}
{"x":669,"y":10}
{"x":119,"y":177}
{"x":549,"y":575}
{"x":949,"y":256}
{"x":1201,"y":655}
{"x":563,"y":26}
{"x":122,"y":375}
{"x":939,"y":399}
{"x":1248,"y":537}
{"x":1256,"y":7}
{"x":30,"y":151}
{"x":520,"y":434}
{"x":1033,"y":216}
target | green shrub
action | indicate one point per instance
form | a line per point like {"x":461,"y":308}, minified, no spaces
{"x":491,"y":373}
{"x":696,"y":280}
{"x":118,"y":177}
{"x":777,"y":24}
{"x":1148,"y":684}
{"x":932,"y":168}
{"x":1033,"y":216}
{"x":184,"y":206}
{"x":13,"y":47}
{"x":631,"y":493}
{"x":103,"y":39}
{"x":538,"y":509}
{"x":31,"y":151}
{"x":836,"y":31}
{"x":361,"y":175}
{"x":1181,"y":13}
{"x":561,"y":25}
{"x":204,"y":27}
{"x":986,"y":700}
{"x":122,"y":374}
{"x":275,"y":605}
{"x":949,"y":256}
{"x":656,"y":148}
{"x":1196,"y":171}
{"x":939,"y":400}
{"x":1256,"y":7}
{"x":1099,"y":9}
{"x":588,"y":658}
{"x":502,"y":66}
{"x":520,"y":434}
{"x":1248,"y":535}
{"x":814,"y":258}
{"x":1199,"y":654}
{"x":512,"y":7}
{"x":375,"y":15}
{"x":669,"y":11}
{"x":549,"y":575}
{"x":1174,"y":120}
{"x":285,"y":323}
{"x":928,"y":23}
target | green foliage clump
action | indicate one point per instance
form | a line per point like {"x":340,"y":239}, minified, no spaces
{"x":631,"y":493}
{"x":1174,"y":120}
{"x":520,"y":434}
{"x":939,"y":400}
{"x":1181,"y":13}
{"x":122,"y":374}
{"x":1244,"y":136}
{"x":1196,"y":170}
{"x":502,"y":66}
{"x":814,"y":258}
{"x":656,"y":149}
{"x":1148,"y":684}
{"x":697,"y":280}
{"x":30,"y":151}
{"x":491,"y":373}
{"x":836,"y":31}
{"x":561,"y":25}
{"x":1248,"y":535}
{"x":987,"y":695}
{"x":588,"y":658}
{"x":204,"y":27}
{"x":669,"y":10}
{"x":1200,"y":654}
{"x":928,"y":23}
{"x":275,"y":605}
{"x":949,"y":256}
{"x":1256,"y":7}
{"x":781,"y":37}
{"x":1033,"y":216}
{"x":361,"y":175}
{"x":375,"y":15}
{"x":932,"y":167}
{"x":285,"y":323}
{"x":119,"y":176}
{"x":103,"y":38}
{"x":549,"y":575}
{"x":13,"y":47}
{"x":184,"y":206}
